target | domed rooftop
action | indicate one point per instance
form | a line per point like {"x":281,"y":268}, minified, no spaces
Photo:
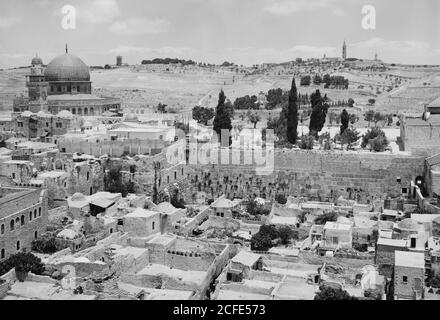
{"x":166,"y":207}
{"x":26,"y":113}
{"x":409,"y":224}
{"x":37,"y":61}
{"x":67,"y":67}
{"x":223,"y":203}
{"x":65,"y":114}
{"x":78,"y":197}
{"x":131,"y":117}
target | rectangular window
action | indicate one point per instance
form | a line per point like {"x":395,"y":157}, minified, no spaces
{"x":405,"y":279}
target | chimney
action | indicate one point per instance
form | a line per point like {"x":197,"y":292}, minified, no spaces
{"x":426,"y":114}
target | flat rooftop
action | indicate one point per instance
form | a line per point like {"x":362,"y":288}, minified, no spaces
{"x":43,"y":291}
{"x":392,"y":242}
{"x":295,"y":289}
{"x":410,"y":259}
{"x":236,"y":295}
{"x":141,"y":213}
{"x":190,"y":276}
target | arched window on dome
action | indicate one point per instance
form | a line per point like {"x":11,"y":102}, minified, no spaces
{"x":86,"y":111}
{"x":73,"y":111}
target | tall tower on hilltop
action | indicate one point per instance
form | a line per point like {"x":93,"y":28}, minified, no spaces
{"x":344,"y":51}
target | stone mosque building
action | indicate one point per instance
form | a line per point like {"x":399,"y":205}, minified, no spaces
{"x":59,"y":95}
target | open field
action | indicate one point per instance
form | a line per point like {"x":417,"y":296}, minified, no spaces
{"x":400,"y":89}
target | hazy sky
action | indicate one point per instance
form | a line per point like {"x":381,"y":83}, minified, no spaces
{"x":242,"y":31}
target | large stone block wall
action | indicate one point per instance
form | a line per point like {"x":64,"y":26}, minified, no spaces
{"x":421,"y":139}
{"x":33,"y":204}
{"x":112,"y":148}
{"x":312,"y":172}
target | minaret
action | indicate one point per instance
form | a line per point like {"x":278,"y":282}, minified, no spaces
{"x":344,"y":51}
{"x":37,"y":86}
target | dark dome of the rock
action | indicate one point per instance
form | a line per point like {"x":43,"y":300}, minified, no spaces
{"x":36,"y":61}
{"x":67,"y":67}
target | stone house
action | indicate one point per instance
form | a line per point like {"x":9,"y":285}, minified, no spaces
{"x":23,"y":218}
{"x":142,"y":223}
{"x":337,"y":235}
{"x":409,"y":275}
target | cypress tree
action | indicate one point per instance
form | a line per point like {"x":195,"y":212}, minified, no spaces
{"x":222,"y":118}
{"x":345,"y":118}
{"x":292,"y":114}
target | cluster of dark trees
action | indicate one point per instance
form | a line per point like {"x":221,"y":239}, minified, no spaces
{"x":203,"y":115}
{"x":269,"y":235}
{"x":169,"y":61}
{"x":45,"y":245}
{"x":24,"y":262}
{"x":338,"y":82}
{"x":285,"y":127}
{"x":113,"y":182}
{"x":253,"y":208}
{"x":227,"y":64}
{"x":247,"y":103}
{"x":375,"y":139}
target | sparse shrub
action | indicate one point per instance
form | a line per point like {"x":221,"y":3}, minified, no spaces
{"x":281,"y":199}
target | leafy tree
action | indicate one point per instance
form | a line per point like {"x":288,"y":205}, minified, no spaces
{"x":246,"y":103}
{"x":330,"y":293}
{"x":203,"y":115}
{"x":327,"y":80}
{"x":176,"y":200}
{"x":253,"y":208}
{"x":270,"y":230}
{"x":281,"y":199}
{"x":345,"y":118}
{"x":285,"y":234}
{"x":307,"y":142}
{"x":26,"y":262}
{"x":379,"y":144}
{"x":276,"y":97}
{"x":353,"y":119}
{"x":261,"y":242}
{"x":305,"y":81}
{"x":350,"y":137}
{"x":369,"y":116}
{"x":375,"y":138}
{"x":325,"y":141}
{"x":162,"y":108}
{"x":113,"y":182}
{"x":378,"y":117}
{"x":263,"y":239}
{"x":317,"y":80}
{"x":222,"y":118}
{"x":389,"y":119}
{"x":292,"y":114}
{"x":326,"y":217}
{"x":254,"y":118}
{"x":351,"y":103}
{"x":43,"y":245}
